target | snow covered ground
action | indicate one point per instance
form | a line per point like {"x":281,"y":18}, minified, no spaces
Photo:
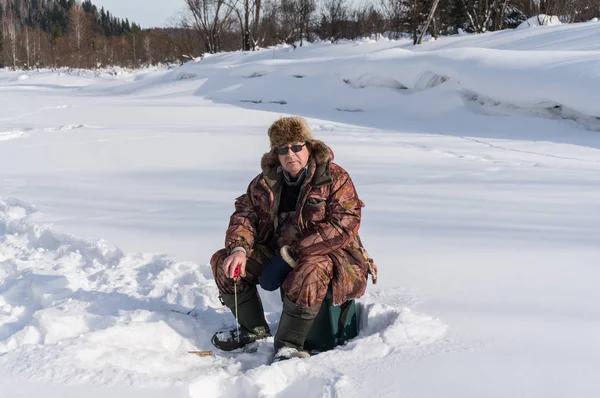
{"x":478,"y":158}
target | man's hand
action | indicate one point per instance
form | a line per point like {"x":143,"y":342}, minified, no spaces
{"x":235,"y":259}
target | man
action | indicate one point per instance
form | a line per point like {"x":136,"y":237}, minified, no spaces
{"x":296,"y":228}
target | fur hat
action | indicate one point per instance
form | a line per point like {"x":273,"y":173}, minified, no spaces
{"x":287,"y":130}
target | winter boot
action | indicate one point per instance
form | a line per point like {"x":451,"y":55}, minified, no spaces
{"x":251,"y":316}
{"x":294,"y":326}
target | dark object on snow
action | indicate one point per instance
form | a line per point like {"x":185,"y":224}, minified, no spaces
{"x":288,"y":353}
{"x":227,"y":340}
{"x":334,"y":325}
{"x":294,"y":325}
{"x":274,"y":273}
{"x":253,"y":325}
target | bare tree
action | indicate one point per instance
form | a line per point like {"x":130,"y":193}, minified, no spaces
{"x":569,"y":10}
{"x":395,"y":12}
{"x":269,"y":31}
{"x":584,"y":10}
{"x":249,"y":23}
{"x":367,"y":20}
{"x":479,"y":13}
{"x":27,"y":47}
{"x":9,"y":33}
{"x":360,"y":16}
{"x":211,"y":18}
{"x":165,"y":44}
{"x":256,"y":26}
{"x":245,"y":14}
{"x":429,"y":19}
{"x":334,"y":14}
{"x":79,"y":35}
{"x":187,"y":42}
{"x":375,"y":21}
{"x":499,"y":15}
{"x":297,"y":14}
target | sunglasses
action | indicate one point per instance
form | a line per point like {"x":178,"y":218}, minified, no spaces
{"x":284,"y":150}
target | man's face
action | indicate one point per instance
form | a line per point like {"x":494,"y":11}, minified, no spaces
{"x":293,"y":162}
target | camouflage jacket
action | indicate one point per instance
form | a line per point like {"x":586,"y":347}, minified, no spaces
{"x":328,"y":216}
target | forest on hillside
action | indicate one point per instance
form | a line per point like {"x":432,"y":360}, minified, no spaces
{"x":56,"y":33}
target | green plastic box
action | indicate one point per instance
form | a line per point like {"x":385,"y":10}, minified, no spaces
{"x":333,"y":326}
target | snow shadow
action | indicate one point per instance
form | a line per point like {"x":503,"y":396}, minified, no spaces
{"x":85,"y":306}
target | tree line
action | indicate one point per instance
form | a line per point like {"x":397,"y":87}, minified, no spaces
{"x":55,"y":33}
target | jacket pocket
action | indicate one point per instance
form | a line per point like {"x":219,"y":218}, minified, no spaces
{"x":314,"y":210}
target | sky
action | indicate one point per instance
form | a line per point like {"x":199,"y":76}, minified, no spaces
{"x":147,"y":13}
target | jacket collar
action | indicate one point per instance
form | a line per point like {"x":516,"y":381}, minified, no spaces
{"x":317,"y":169}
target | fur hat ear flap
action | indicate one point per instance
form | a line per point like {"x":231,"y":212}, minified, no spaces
{"x":288,"y":130}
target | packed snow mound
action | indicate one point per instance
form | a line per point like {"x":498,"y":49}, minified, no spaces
{"x":393,"y":78}
{"x":389,"y":76}
{"x":540,"y":20}
{"x":76,"y":311}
